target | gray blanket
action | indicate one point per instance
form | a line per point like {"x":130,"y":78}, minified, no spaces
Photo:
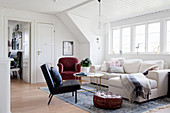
{"x":136,"y":85}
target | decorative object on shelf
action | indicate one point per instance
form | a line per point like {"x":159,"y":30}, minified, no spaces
{"x":85,"y":65}
{"x":156,"y":50}
{"x":17,"y":38}
{"x":68,"y":48}
{"x":99,"y":25}
{"x":137,"y":48}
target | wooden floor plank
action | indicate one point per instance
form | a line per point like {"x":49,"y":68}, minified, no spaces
{"x":28,"y":98}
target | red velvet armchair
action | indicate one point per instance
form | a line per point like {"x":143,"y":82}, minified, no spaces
{"x":68,"y":66}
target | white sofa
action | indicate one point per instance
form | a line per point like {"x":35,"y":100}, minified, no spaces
{"x":158,"y":78}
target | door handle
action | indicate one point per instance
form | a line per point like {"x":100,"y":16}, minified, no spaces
{"x":39,"y":52}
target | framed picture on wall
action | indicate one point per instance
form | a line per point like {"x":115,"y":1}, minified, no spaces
{"x":68,"y":48}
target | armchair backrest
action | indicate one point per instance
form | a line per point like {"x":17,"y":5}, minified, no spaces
{"x":68,"y":63}
{"x":46,"y":71}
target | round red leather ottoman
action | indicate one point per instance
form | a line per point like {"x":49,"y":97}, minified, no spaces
{"x":107,"y":100}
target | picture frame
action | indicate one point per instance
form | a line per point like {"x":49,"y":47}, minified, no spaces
{"x":68,"y":48}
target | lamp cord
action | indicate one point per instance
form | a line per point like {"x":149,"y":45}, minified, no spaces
{"x":99,"y":27}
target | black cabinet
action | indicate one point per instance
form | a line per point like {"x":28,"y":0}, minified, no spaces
{"x":168,"y":95}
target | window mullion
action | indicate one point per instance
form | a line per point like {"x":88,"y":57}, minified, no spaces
{"x":132,"y":39}
{"x":120,"y":45}
{"x":146,"y":38}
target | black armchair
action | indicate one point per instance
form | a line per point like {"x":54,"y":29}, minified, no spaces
{"x":65,"y":87}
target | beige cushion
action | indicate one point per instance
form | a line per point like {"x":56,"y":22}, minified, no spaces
{"x":146,"y":64}
{"x":132,"y":66}
{"x":104,"y":67}
{"x":116,"y":82}
{"x":110,"y":75}
{"x":121,"y":60}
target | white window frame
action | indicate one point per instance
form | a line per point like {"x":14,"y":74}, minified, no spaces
{"x":163,"y":36}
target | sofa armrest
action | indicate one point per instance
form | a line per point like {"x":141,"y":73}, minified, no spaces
{"x":77,"y":67}
{"x":60,"y":67}
{"x":97,"y":67}
{"x":162,"y":79}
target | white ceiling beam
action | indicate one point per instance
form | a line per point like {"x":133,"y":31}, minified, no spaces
{"x":74,"y":7}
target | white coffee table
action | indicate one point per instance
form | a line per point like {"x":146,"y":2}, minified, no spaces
{"x":90,"y":75}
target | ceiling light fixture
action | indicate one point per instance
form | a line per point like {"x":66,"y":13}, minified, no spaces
{"x":100,"y":23}
{"x":55,"y":0}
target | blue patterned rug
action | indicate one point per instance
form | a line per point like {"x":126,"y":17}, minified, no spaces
{"x":85,"y":101}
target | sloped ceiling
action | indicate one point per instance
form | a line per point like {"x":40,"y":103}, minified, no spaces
{"x":112,"y":9}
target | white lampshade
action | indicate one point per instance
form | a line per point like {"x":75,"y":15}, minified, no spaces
{"x":99,"y":26}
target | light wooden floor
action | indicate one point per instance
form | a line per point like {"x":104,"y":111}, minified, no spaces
{"x":27,"y":98}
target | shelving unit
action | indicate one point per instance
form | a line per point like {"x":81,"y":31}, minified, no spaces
{"x":17,"y":38}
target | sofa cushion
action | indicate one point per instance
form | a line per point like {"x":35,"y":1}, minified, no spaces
{"x":104,"y":67}
{"x":106,"y":64}
{"x":120,"y":60}
{"x":116,"y":82}
{"x":132,"y":66}
{"x":114,"y":69}
{"x":110,"y":75}
{"x":146,"y":64}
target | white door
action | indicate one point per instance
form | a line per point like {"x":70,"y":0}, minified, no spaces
{"x":45,"y":52}
{"x":26,"y":53}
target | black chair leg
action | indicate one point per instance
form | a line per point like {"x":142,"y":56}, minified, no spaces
{"x":50,"y":95}
{"x":75,"y":96}
{"x":73,"y":93}
{"x":50,"y":99}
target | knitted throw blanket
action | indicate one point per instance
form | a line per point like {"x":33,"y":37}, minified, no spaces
{"x":136,"y":85}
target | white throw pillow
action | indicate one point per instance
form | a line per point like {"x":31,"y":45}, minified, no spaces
{"x":116,"y":70}
{"x":146,"y":64}
{"x":121,"y":60}
{"x":104,"y":67}
{"x":132,"y":66}
{"x":107,"y":64}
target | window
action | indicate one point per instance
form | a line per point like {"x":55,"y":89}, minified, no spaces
{"x":168,"y":37}
{"x":116,"y":41}
{"x":154,"y":37}
{"x":144,"y":38}
{"x":140,"y":38}
{"x":126,"y":39}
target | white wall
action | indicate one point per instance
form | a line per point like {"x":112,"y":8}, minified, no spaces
{"x":1,"y":34}
{"x":91,"y":47}
{"x":5,"y":86}
{"x":61,"y":34}
{"x":141,"y":19}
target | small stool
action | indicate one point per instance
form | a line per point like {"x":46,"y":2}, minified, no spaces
{"x":107,"y":100}
{"x":17,"y":72}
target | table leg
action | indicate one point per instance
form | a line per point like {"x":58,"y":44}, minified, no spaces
{"x":100,"y":83}
{"x":97,"y":82}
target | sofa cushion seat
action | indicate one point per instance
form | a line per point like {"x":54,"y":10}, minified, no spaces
{"x":110,"y":75}
{"x":116,"y":82}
